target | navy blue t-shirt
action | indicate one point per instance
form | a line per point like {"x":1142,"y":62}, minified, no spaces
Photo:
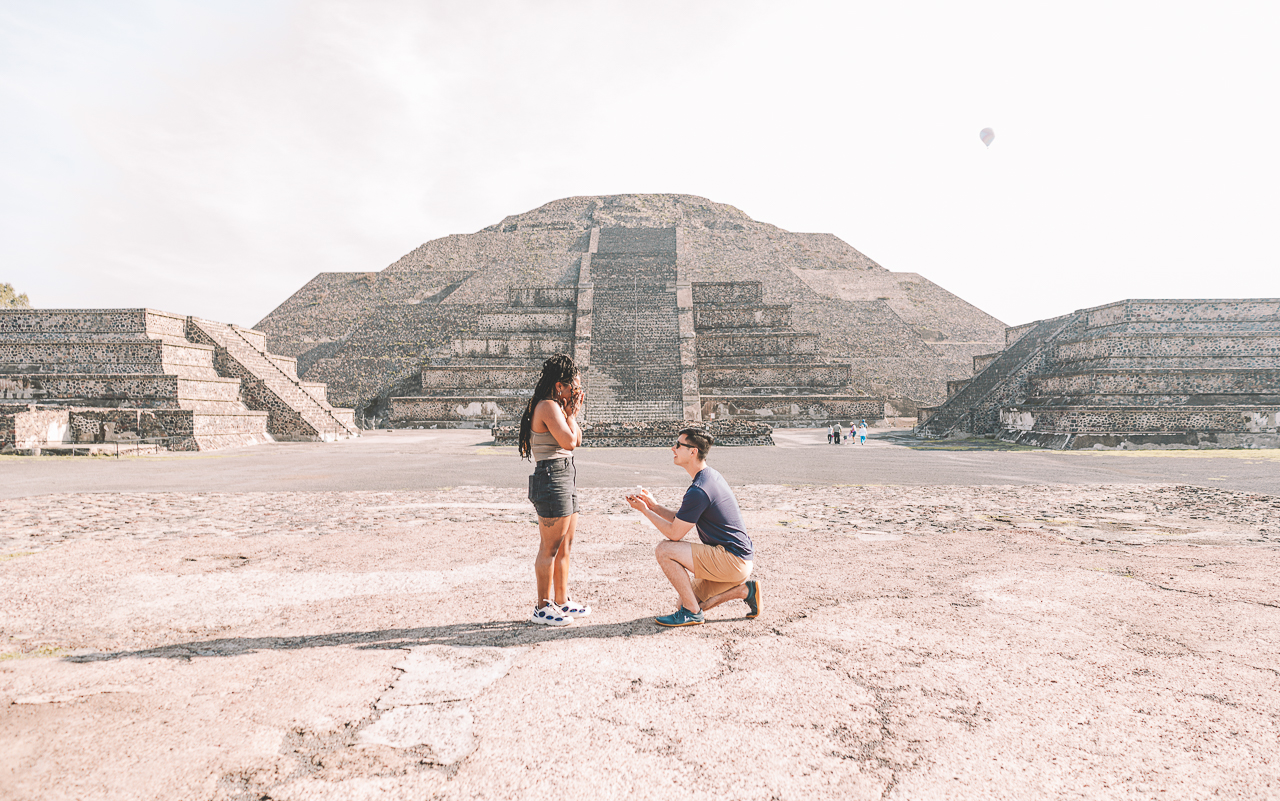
{"x":709,"y":504}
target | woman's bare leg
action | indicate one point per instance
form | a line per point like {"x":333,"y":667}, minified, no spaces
{"x":551,"y":533}
{"x":560,"y":568}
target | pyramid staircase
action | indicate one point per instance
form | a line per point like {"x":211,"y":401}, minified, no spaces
{"x":635,"y":364}
{"x":298,"y":409}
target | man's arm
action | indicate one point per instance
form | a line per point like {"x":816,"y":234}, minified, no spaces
{"x":662,"y":518}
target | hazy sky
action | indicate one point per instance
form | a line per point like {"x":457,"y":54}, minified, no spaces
{"x":209,"y":158}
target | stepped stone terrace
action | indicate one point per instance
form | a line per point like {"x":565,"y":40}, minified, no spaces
{"x":145,"y":378}
{"x":678,"y":309}
{"x":1136,"y":373}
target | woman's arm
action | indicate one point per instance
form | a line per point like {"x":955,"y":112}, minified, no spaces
{"x":563,"y":428}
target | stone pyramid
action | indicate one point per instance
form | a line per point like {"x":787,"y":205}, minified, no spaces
{"x":679,"y":306}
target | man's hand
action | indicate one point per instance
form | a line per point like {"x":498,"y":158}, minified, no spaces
{"x":643,"y":498}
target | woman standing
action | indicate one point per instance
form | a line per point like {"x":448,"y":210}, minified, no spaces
{"x":548,"y":433}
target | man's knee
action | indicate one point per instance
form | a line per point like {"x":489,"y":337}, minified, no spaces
{"x":667,"y":551}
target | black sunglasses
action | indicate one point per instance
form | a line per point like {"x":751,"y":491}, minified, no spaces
{"x":680,"y":444}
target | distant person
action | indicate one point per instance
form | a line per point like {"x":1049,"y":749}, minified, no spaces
{"x":549,"y":433}
{"x":830,"y":433}
{"x":722,"y":561}
{"x":839,"y":432}
{"x":862,"y":433}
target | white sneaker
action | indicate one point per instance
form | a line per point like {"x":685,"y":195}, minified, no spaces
{"x":574,"y":609}
{"x":551,"y":615}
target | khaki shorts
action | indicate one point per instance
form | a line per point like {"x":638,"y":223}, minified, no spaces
{"x":716,"y":570}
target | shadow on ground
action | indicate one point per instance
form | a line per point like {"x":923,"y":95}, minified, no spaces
{"x":500,"y":633}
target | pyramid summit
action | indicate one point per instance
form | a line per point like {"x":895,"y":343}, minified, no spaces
{"x":679,"y":307}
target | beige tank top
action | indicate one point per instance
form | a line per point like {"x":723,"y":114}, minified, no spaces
{"x":544,"y":446}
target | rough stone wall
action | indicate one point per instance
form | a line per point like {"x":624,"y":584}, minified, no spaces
{"x":655,"y":434}
{"x":32,"y":427}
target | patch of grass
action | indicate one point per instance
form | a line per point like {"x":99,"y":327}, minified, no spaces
{"x":43,"y":652}
{"x":1255,"y":454}
{"x":6,"y":556}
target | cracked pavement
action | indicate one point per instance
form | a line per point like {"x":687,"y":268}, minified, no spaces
{"x":916,"y":642}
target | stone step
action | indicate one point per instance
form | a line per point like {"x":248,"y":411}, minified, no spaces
{"x":762,"y":316}
{"x":316,"y":389}
{"x":526,"y":321}
{"x":543,"y":297}
{"x":1183,"y":310}
{"x":777,"y":375}
{"x":1165,"y":345}
{"x":720,"y":346}
{"x":494,"y":346}
{"x":623,"y":411}
{"x":413,"y":411}
{"x":1154,"y":399}
{"x":1142,"y":419}
{"x":88,"y":322}
{"x":145,"y":388}
{"x":288,"y":365}
{"x":749,"y":293}
{"x":1193,"y":327}
{"x":785,"y":408}
{"x":433,"y":379}
{"x":1187,"y":382}
{"x":774,"y":390}
{"x":1145,"y":363}
{"x":150,"y":356}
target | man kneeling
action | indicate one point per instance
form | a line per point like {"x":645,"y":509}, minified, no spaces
{"x":722,"y":561}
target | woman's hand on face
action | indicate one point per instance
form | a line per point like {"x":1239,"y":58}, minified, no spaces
{"x":574,"y":403}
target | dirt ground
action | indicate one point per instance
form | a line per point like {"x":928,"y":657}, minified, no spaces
{"x":1098,"y":641}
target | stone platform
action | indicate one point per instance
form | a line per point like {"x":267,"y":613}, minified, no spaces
{"x":1136,"y":373}
{"x":129,"y":375}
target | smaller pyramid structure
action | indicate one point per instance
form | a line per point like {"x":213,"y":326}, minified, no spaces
{"x":1135,"y":373}
{"x":142,"y":377}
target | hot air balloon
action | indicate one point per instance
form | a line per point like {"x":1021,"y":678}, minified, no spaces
{"x":986,"y":135}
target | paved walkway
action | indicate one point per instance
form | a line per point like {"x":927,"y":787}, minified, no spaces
{"x":959,"y":642}
{"x":418,"y":460}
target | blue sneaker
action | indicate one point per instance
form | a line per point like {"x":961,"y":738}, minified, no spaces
{"x":753,"y":598}
{"x":681,"y":617}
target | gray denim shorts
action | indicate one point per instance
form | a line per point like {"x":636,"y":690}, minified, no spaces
{"x":552,"y":488}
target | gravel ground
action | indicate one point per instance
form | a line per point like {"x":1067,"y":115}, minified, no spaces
{"x":1045,"y":641}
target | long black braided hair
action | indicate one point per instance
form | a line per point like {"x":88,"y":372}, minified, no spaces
{"x":559,"y":369}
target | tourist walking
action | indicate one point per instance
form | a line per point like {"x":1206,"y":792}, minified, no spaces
{"x":838,"y":433}
{"x":862,"y":433}
{"x":549,"y":433}
{"x":721,"y":562}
